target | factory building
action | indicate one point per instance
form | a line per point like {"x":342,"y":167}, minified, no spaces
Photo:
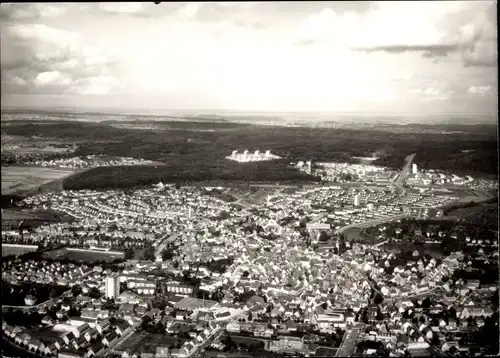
{"x":256,"y":156}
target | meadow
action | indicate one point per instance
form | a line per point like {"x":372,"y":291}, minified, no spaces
{"x":85,"y":256}
{"x":21,"y":179}
{"x":18,"y":250}
{"x":145,"y":342}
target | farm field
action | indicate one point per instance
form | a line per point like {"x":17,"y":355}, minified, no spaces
{"x":11,"y":215}
{"x":12,"y":218}
{"x":16,"y":250}
{"x":18,"y":179}
{"x":85,"y":256}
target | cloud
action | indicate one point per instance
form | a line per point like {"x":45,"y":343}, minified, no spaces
{"x":122,"y":7}
{"x":429,"y":51}
{"x":36,"y":58}
{"x":21,"y":12}
{"x":97,"y":85}
{"x":480,"y":90}
{"x":52,"y":78}
{"x":38,"y":33}
{"x":433,"y":29}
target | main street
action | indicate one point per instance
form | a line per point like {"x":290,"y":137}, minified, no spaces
{"x":403,"y":175}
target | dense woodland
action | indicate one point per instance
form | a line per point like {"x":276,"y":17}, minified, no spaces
{"x":195,"y":151}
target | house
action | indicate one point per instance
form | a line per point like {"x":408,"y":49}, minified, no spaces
{"x":23,"y":339}
{"x":156,"y":312}
{"x":475,"y":311}
{"x":291,"y":326}
{"x":81,"y":330}
{"x":102,"y":326}
{"x":223,"y":316}
{"x":162,"y":352}
{"x":90,"y":335}
{"x":167,"y":320}
{"x":95,"y":349}
{"x":126,"y":308}
{"x":35,"y":345}
{"x":110,"y":338}
{"x":79,"y":343}
{"x":59,"y":343}
{"x":233,"y":326}
{"x":447,"y":345}
{"x":50,"y":349}
{"x":180,"y":315}
{"x":122,"y":328}
{"x":473,"y":284}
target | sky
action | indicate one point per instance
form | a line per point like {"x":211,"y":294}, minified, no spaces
{"x":417,"y":58}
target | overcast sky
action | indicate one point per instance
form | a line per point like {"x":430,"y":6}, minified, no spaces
{"x":412,"y":57}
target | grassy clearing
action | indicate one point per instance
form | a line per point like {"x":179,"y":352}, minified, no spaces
{"x":18,"y":179}
{"x":146,"y":342}
{"x":10,"y":250}
{"x":85,"y":256}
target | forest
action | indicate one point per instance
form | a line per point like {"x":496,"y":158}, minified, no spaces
{"x":195,"y":151}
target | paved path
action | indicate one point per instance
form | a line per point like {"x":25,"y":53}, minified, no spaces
{"x":348,"y":345}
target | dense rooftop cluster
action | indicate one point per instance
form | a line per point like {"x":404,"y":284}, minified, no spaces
{"x":276,"y":274}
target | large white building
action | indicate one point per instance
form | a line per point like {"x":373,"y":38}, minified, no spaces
{"x":414,"y":168}
{"x":112,"y":286}
{"x":357,"y":200}
{"x":256,"y":156}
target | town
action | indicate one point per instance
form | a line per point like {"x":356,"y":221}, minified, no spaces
{"x":351,"y":268}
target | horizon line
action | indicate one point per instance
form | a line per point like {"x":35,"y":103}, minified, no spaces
{"x":216,"y":111}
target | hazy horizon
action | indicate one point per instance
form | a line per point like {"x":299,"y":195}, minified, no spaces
{"x":412,"y":59}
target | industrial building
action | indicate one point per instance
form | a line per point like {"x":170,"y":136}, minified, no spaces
{"x":256,"y":156}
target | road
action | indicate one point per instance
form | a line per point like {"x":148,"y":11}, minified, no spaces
{"x":348,"y":345}
{"x":403,"y":175}
{"x":109,"y":351}
{"x":374,"y":222}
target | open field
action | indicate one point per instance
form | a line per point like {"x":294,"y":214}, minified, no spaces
{"x":45,"y":334}
{"x":252,"y":195}
{"x":33,"y":145}
{"x":145,"y":342}
{"x":19,"y":179}
{"x":465,"y":196}
{"x":17,"y":250}
{"x":12,"y":218}
{"x":473,"y":210}
{"x":15,"y":215}
{"x":85,"y":256}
